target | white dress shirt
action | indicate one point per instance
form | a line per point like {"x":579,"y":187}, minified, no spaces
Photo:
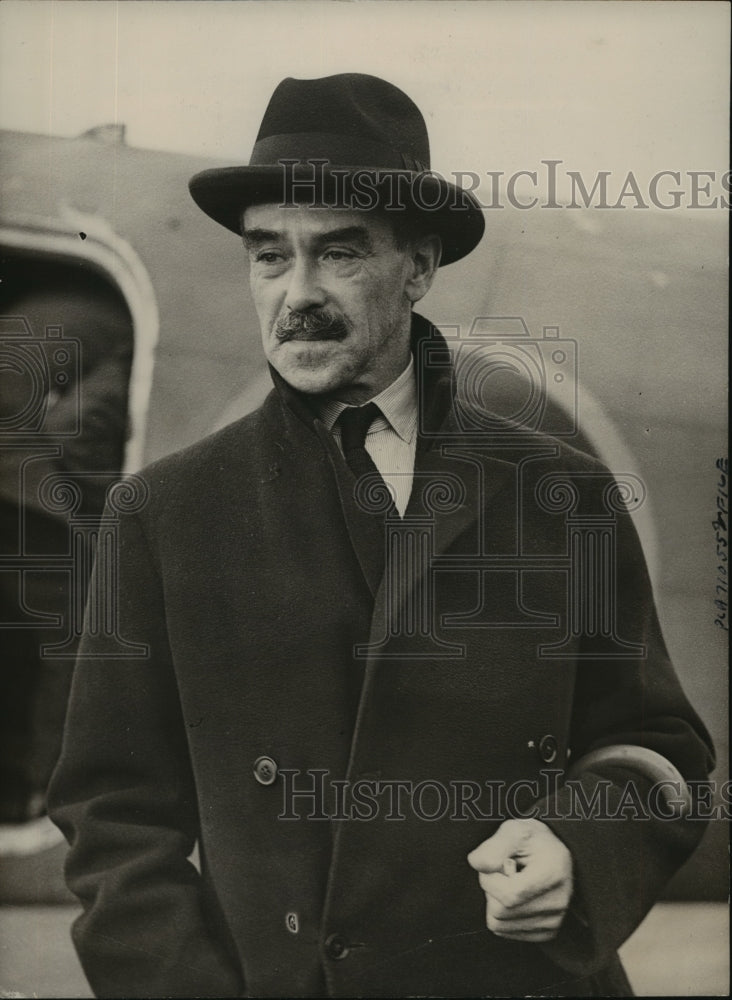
{"x":391,"y":440}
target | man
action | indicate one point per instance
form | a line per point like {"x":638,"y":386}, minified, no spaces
{"x":318,"y":646}
{"x":84,"y":432}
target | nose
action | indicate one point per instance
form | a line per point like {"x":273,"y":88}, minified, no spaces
{"x":304,"y":290}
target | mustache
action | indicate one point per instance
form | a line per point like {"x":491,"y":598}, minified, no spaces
{"x":315,"y":324}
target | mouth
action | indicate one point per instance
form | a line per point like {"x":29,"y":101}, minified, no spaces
{"x":310,"y":338}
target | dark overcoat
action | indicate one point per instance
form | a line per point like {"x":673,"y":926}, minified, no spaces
{"x":255,"y":580}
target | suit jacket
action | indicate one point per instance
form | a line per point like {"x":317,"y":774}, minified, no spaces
{"x":256,"y":580}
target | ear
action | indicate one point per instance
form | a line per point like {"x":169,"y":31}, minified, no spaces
{"x":424,"y":256}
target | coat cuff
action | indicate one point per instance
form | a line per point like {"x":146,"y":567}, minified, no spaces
{"x":620,"y":866}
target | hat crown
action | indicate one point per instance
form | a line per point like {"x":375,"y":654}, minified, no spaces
{"x":348,"y":140}
{"x":353,"y":106}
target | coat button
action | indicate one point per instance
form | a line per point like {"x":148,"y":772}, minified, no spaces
{"x":265,"y":770}
{"x":336,"y":947}
{"x":292,"y":923}
{"x":548,"y":749}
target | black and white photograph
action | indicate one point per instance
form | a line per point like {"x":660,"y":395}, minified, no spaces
{"x":364,"y":495}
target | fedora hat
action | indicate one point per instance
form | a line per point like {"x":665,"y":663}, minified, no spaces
{"x":348,"y":141}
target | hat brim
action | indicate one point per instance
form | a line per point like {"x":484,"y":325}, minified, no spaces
{"x":451,"y":212}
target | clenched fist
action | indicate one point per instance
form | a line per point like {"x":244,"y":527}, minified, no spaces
{"x":526,"y":875}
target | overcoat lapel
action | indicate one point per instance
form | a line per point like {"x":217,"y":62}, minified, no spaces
{"x":311,"y":443}
{"x":365,"y":530}
{"x":440,"y":467}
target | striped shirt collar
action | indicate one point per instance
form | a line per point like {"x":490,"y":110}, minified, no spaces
{"x":398,"y":404}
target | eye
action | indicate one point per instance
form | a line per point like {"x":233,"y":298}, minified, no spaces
{"x":337,"y":254}
{"x":268,"y":257}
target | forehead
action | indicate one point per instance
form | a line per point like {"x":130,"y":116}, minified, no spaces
{"x":306,"y":222}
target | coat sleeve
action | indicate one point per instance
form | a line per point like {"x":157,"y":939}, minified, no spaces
{"x":623,"y":860}
{"x":123,"y":794}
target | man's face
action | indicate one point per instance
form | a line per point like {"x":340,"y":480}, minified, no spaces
{"x":333,"y":295}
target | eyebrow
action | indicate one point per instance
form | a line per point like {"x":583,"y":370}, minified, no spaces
{"x":256,"y":237}
{"x":356,"y":235}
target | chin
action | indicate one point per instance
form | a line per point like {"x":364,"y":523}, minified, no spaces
{"x":314,"y":380}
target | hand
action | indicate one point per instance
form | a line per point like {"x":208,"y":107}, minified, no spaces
{"x":526,"y":875}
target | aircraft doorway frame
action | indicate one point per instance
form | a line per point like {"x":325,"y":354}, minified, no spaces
{"x":118,"y":263}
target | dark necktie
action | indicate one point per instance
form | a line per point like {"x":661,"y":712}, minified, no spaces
{"x":354,"y":423}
